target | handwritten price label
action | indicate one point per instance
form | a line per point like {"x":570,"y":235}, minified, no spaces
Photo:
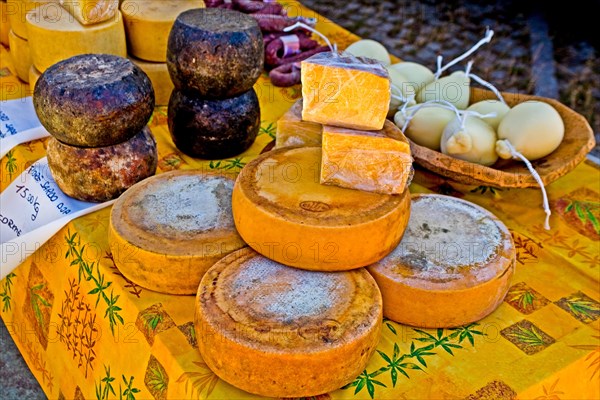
{"x":18,"y":124}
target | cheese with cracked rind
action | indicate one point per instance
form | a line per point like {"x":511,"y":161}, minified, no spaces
{"x":54,"y":35}
{"x":148,"y":23}
{"x":282,"y":211}
{"x":293,"y":131}
{"x":94,"y":100}
{"x":284,"y":332}
{"x":455,"y":258}
{"x":168,"y":230}
{"x":102,"y":173}
{"x":375,"y":161}
{"x":346,"y":91}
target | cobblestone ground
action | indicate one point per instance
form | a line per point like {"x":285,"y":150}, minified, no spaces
{"x":420,"y":30}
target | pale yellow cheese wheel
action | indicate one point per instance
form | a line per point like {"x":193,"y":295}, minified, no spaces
{"x":21,"y":56}
{"x":160,"y":78}
{"x":34,"y":75}
{"x":54,"y":35}
{"x":148,"y":24}
{"x":17,"y":11}
{"x":91,"y":11}
{"x":5,"y":25}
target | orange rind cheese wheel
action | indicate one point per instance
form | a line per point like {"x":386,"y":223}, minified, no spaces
{"x":167,"y":231}
{"x":282,"y":211}
{"x":277,"y":331}
{"x":452,"y":267}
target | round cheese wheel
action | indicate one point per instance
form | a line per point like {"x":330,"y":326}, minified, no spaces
{"x":216,"y":52}
{"x":54,"y":35}
{"x":94,"y":100}
{"x":21,"y":56}
{"x":452,"y":267}
{"x":282,"y":211}
{"x":34,"y":75}
{"x":16,"y":12}
{"x":5,"y":26}
{"x":213,"y":129}
{"x":283,"y":332}
{"x":102,"y":173}
{"x":168,"y":230}
{"x":148,"y":23}
{"x":159,"y":76}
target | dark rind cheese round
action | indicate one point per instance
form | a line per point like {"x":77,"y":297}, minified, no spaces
{"x":168,"y":230}
{"x":452,"y":267}
{"x":284,"y":332}
{"x":213,"y":129}
{"x":216,"y":52}
{"x":102,"y":173}
{"x":94,"y":100}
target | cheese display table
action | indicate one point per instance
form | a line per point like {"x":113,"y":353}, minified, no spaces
{"x":85,"y":331}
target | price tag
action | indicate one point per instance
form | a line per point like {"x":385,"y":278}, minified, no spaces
{"x":18,"y":124}
{"x":33,"y":209}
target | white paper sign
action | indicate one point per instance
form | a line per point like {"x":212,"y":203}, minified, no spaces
{"x":32,"y":210}
{"x":18,"y":124}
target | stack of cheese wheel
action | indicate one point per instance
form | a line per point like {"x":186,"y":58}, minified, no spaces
{"x":147,"y":25}
{"x":214,"y":57}
{"x":59,"y":30}
{"x":5,"y":27}
{"x":96,"y":107}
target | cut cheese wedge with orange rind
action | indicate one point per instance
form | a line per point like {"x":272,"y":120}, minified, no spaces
{"x":452,"y":267}
{"x":284,"y":332}
{"x":282,"y":211}
{"x":168,"y":230}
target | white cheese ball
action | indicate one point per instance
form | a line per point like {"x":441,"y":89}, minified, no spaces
{"x":453,"y":88}
{"x":534,"y":128}
{"x":475,"y":143}
{"x":488,"y":107}
{"x":417,"y":75}
{"x":427,"y":126}
{"x":371,"y":49}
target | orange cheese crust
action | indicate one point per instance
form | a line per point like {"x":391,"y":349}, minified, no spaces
{"x":293,"y":131}
{"x":282,"y":211}
{"x":347,"y":91}
{"x":284,"y":332}
{"x":375,"y":161}
{"x":452,"y":267}
{"x":168,"y":230}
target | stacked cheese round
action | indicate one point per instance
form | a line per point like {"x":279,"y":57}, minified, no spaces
{"x":21,"y":56}
{"x":168,"y":230}
{"x":5,"y":26}
{"x":96,"y":107}
{"x":54,"y":35}
{"x":284,"y":332}
{"x":17,"y":11}
{"x":452,"y":267}
{"x":214,"y":57}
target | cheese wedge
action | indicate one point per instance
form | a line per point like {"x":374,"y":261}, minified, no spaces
{"x":168,"y":230}
{"x":5,"y":26}
{"x":159,"y":76}
{"x":282,"y":211}
{"x":148,"y":23}
{"x":452,"y":267}
{"x":34,"y":75}
{"x":21,"y":56}
{"x":293,"y":131}
{"x":347,"y":91}
{"x":375,"y":161}
{"x":54,"y":35}
{"x":91,"y":11}
{"x":17,"y":11}
{"x":284,"y":332}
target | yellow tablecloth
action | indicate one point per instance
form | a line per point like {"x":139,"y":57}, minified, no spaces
{"x":87,"y":332}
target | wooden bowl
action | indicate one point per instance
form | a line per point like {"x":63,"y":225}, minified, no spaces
{"x":577,"y":143}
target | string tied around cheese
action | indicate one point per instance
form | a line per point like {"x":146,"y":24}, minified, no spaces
{"x":470,"y":113}
{"x":516,"y":155}
{"x":400,"y":97}
{"x":440,"y":69}
{"x":484,"y":83}
{"x":332,"y":47}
